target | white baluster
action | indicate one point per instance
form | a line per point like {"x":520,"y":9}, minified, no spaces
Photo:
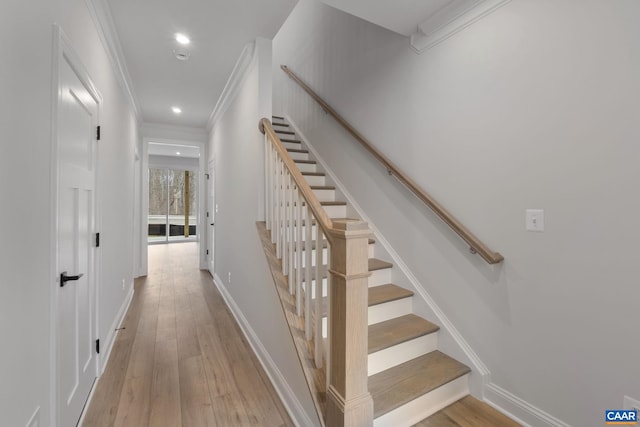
{"x":318,"y":343}
{"x":308,"y":243}
{"x":300,"y":294}
{"x":290,"y":234}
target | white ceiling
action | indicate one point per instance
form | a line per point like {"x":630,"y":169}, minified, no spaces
{"x":405,"y":16}
{"x":219,"y":29}
{"x":172,"y":150}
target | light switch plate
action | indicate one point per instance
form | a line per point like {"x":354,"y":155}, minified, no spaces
{"x":535,"y":220}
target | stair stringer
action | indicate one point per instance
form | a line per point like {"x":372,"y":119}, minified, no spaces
{"x":450,"y":339}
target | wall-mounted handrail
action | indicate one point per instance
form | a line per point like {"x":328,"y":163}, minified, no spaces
{"x":475,"y":245}
{"x":307,"y":193}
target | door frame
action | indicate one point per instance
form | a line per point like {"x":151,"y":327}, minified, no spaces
{"x":144,"y":212}
{"x":211,"y":208}
{"x":64,"y":51}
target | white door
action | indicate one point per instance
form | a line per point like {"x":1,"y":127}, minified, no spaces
{"x":211,"y":217}
{"x":77,"y":150}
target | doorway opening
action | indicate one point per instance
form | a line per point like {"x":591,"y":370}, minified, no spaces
{"x":173,"y":203}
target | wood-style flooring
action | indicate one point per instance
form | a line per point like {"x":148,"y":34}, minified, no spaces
{"x":181,"y":359}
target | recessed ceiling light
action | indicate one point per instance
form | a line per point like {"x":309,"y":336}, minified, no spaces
{"x":177,"y":153}
{"x":176,"y":110}
{"x":182,"y":39}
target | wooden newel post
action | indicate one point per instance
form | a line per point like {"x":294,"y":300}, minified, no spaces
{"x":349,"y":403}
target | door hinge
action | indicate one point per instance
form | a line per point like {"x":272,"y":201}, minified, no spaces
{"x":98,"y":133}
{"x":207,"y":175}
{"x":207,"y":214}
{"x":207,"y":251}
{"x":98,"y":346}
{"x":97,"y":240}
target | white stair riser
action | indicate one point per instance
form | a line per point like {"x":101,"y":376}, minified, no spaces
{"x":307,"y":167}
{"x":294,"y":145}
{"x":401,"y":353}
{"x":325,"y":195}
{"x":390,"y":310}
{"x":380,"y":277}
{"x":425,"y":405}
{"x":336,"y":211}
{"x":299,"y":156}
{"x":315,"y":180}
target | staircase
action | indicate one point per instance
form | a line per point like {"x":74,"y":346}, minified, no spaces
{"x":409,"y":378}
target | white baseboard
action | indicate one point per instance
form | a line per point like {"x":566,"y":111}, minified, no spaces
{"x":518,"y":409}
{"x":107,"y":344}
{"x":109,"y":341}
{"x":288,"y":397}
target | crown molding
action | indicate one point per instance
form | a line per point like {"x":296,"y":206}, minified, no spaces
{"x":103,"y":21}
{"x":231,"y":87}
{"x":455,"y":18}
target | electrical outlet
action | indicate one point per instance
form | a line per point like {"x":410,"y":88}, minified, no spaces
{"x":229,"y":279}
{"x":630,"y":403}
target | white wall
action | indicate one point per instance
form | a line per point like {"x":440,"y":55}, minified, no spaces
{"x":26,"y":283}
{"x":236,"y":146}
{"x":534,"y":106}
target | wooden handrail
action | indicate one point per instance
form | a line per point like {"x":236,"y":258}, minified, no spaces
{"x":475,"y":245}
{"x":307,"y":193}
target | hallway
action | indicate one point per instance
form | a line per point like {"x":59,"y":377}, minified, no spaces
{"x":181,"y":359}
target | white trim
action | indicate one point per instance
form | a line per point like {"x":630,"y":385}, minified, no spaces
{"x":518,"y":409}
{"x":288,"y":397}
{"x":201,"y":221}
{"x":107,"y":345}
{"x":111,"y":339}
{"x":63,"y":48}
{"x":426,"y":38}
{"x":478,"y":366}
{"x":34,"y":421}
{"x":103,"y":22}
{"x":233,"y":83}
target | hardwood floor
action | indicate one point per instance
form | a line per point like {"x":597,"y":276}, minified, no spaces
{"x":181,"y":359}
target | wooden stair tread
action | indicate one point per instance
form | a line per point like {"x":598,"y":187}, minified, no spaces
{"x":374,"y":297}
{"x":378,"y":264}
{"x":468,"y":411}
{"x":308,"y":162}
{"x":374,"y":264}
{"x":386,"y":293}
{"x":398,"y":330}
{"x":297,"y":150}
{"x":280,"y":124}
{"x":313,"y":173}
{"x":277,"y":117}
{"x":323,"y":187}
{"x":285,"y":132}
{"x":403,"y":383}
{"x":333,"y":203}
{"x":291,"y":141}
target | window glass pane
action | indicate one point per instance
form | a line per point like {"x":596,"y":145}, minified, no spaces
{"x":157,"y":204}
